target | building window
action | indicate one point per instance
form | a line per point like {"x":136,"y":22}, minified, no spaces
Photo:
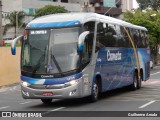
{"x":109,"y":3}
{"x":65,"y":1}
{"x":29,"y":11}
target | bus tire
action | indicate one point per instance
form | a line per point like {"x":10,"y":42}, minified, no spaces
{"x":140,"y":80}
{"x":139,"y":83}
{"x":134,"y":85}
{"x":46,"y":101}
{"x":95,"y":94}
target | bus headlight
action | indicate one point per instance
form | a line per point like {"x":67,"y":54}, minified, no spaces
{"x":25,"y":84}
{"x":72,"y":82}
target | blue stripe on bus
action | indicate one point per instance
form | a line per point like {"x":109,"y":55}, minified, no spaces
{"x":53,"y":24}
{"x":115,"y":73}
{"x":51,"y":81}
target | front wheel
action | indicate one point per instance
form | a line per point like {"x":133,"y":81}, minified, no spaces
{"x":46,"y":101}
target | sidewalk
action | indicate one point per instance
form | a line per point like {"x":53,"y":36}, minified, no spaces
{"x":9,"y":66}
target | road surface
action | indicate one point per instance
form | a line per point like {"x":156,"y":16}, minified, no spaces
{"x":145,"y":99}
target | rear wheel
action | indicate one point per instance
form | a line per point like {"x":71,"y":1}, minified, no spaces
{"x":134,"y":86}
{"x":46,"y":101}
{"x":139,"y":85}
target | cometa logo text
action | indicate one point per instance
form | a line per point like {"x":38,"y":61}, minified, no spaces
{"x":114,"y":56}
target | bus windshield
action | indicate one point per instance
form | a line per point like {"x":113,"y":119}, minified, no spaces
{"x":63,"y":54}
{"x":50,"y":51}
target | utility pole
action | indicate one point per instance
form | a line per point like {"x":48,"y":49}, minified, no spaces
{"x":16,"y":24}
{"x":1,"y":21}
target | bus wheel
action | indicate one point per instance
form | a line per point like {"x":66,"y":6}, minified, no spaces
{"x":134,"y":85}
{"x":46,"y":101}
{"x":95,"y":94}
{"x":139,"y":83}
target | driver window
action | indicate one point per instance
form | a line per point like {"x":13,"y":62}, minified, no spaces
{"x":88,"y":43}
{"x":87,"y":51}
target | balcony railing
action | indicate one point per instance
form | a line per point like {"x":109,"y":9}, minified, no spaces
{"x":98,"y":1}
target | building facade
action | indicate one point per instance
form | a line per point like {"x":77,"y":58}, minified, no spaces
{"x":29,"y":7}
{"x":112,"y":8}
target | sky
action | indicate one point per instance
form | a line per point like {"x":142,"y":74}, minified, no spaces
{"x":135,"y":4}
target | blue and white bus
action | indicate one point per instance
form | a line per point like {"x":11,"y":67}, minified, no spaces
{"x":74,"y":55}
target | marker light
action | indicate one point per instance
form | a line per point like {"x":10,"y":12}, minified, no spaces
{"x":25,"y":34}
{"x":73,"y":82}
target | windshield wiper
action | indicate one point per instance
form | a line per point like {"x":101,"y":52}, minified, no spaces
{"x":40,"y":61}
{"x":56,"y":63}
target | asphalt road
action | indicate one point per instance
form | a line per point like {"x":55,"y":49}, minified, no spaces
{"x":145,"y":99}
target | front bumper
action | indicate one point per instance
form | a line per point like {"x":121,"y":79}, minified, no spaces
{"x":74,"y":91}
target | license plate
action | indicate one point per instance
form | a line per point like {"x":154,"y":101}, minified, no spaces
{"x":47,"y":93}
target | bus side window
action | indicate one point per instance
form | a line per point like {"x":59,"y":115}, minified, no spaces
{"x":136,"y":38}
{"x":100,"y":39}
{"x":125,"y":37}
{"x":146,"y":39}
{"x":132,"y":35}
{"x":143,"y":39}
{"x":119,"y":37}
{"x":139,"y":42}
{"x":89,"y":26}
{"x":111,"y":36}
{"x":107,"y":35}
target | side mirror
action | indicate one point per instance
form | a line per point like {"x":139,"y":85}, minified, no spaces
{"x":13,"y":46}
{"x":81,"y":41}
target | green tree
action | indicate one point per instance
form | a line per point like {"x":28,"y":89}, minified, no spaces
{"x":14,"y":18}
{"x":50,"y":9}
{"x":154,"y":4}
{"x":149,"y":19}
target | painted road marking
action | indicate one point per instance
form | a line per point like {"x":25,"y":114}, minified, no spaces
{"x":4,"y":107}
{"x":25,"y":102}
{"x":155,"y":73}
{"x":60,"y":108}
{"x":145,"y":105}
{"x":57,"y":109}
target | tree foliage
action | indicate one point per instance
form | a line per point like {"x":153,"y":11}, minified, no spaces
{"x":154,"y":4}
{"x":19,"y":15}
{"x":50,"y":9}
{"x":149,"y":19}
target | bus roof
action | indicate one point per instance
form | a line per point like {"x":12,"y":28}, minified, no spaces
{"x":70,"y":19}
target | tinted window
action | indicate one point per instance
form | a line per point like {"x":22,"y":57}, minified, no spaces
{"x":125,"y":38}
{"x":139,"y":42}
{"x":89,"y":26}
{"x":87,"y":51}
{"x":88,"y":43}
{"x":106,"y":35}
{"x":146,"y":38}
{"x":136,"y":38}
